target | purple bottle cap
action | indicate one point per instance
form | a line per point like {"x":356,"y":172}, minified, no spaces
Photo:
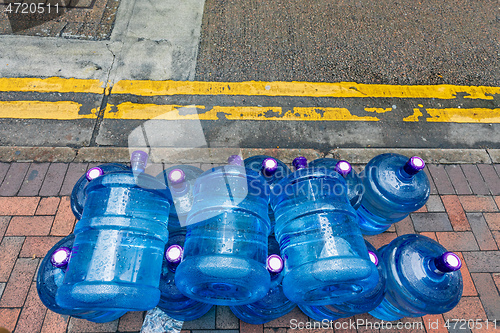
{"x":174,"y":254}
{"x":235,"y":160}
{"x":139,"y":160}
{"x":343,"y":167}
{"x":448,"y":262}
{"x":269,"y":166}
{"x":373,"y":257}
{"x":299,"y":163}
{"x":414,"y":165}
{"x":60,"y":257}
{"x":176,"y":177}
{"x":275,"y":264}
{"x":93,"y":173}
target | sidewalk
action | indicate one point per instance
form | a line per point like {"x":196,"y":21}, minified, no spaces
{"x":462,"y":214}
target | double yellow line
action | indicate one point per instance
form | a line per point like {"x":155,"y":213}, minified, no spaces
{"x":67,"y":110}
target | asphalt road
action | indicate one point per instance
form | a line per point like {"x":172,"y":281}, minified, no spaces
{"x":364,"y":41}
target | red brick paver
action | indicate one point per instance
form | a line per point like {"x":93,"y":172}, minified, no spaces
{"x":18,"y":205}
{"x":455,"y":212}
{"x":472,"y":203}
{"x":29,"y":226}
{"x":48,"y":206}
{"x":8,"y":318}
{"x":64,"y":220}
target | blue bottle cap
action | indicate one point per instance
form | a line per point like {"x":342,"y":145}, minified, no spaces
{"x":343,"y":167}
{"x":139,"y":160}
{"x":299,"y":163}
{"x":275,"y":264}
{"x":269,"y":166}
{"x":93,"y":173}
{"x":448,"y":262}
{"x":414,"y":165}
{"x":60,"y":257}
{"x":174,"y":254}
{"x":373,"y":257}
{"x":235,"y":160}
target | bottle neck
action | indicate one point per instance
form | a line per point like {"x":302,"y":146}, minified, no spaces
{"x":413,"y":166}
{"x":446,"y":263}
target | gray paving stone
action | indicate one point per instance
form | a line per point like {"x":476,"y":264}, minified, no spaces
{"x":14,"y":179}
{"x":483,"y":261}
{"x":34,"y":179}
{"x":225,"y":319}
{"x":431,"y":222}
{"x":458,"y":180}
{"x":53,"y":179}
{"x":488,"y":294}
{"x":75,"y":171}
{"x":2,"y":287}
{"x":481,"y":231}
{"x":491,"y":177}
{"x":441,"y":180}
{"x":434,"y":204}
{"x":4,"y":167}
{"x":207,"y":322}
{"x":431,"y":181}
{"x":475,"y":179}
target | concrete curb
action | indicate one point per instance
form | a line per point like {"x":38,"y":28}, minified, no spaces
{"x":220,"y":155}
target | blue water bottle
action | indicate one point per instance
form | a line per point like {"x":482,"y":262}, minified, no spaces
{"x":50,"y":277}
{"x":172,"y":301}
{"x":394,"y":187}
{"x":119,"y":243}
{"x":180,"y":180}
{"x":326,"y":260}
{"x":273,"y":171}
{"x":274,"y":304}
{"x":226,"y":242}
{"x":353,"y":181}
{"x":78,"y":196}
{"x":368,"y":302}
{"x":422,"y":278}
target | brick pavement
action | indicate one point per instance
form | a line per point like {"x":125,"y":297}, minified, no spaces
{"x":78,"y":19}
{"x":462,"y":214}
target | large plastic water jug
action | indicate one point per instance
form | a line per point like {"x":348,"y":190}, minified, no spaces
{"x":78,"y":193}
{"x":180,"y":180}
{"x":50,"y":277}
{"x":422,"y":278}
{"x":172,"y":301}
{"x":326,"y":260}
{"x":119,"y":244}
{"x":354,"y":184}
{"x":394,"y":187}
{"x":368,"y":302}
{"x":226,"y":242}
{"x":272,"y":169}
{"x":274,"y":304}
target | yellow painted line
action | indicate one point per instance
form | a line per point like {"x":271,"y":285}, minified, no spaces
{"x":130,"y":110}
{"x":414,"y":117}
{"x":248,"y":88}
{"x":65,"y":110}
{"x":455,"y":115}
{"x":300,"y":89}
{"x":52,"y":84}
{"x":378,"y":110}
